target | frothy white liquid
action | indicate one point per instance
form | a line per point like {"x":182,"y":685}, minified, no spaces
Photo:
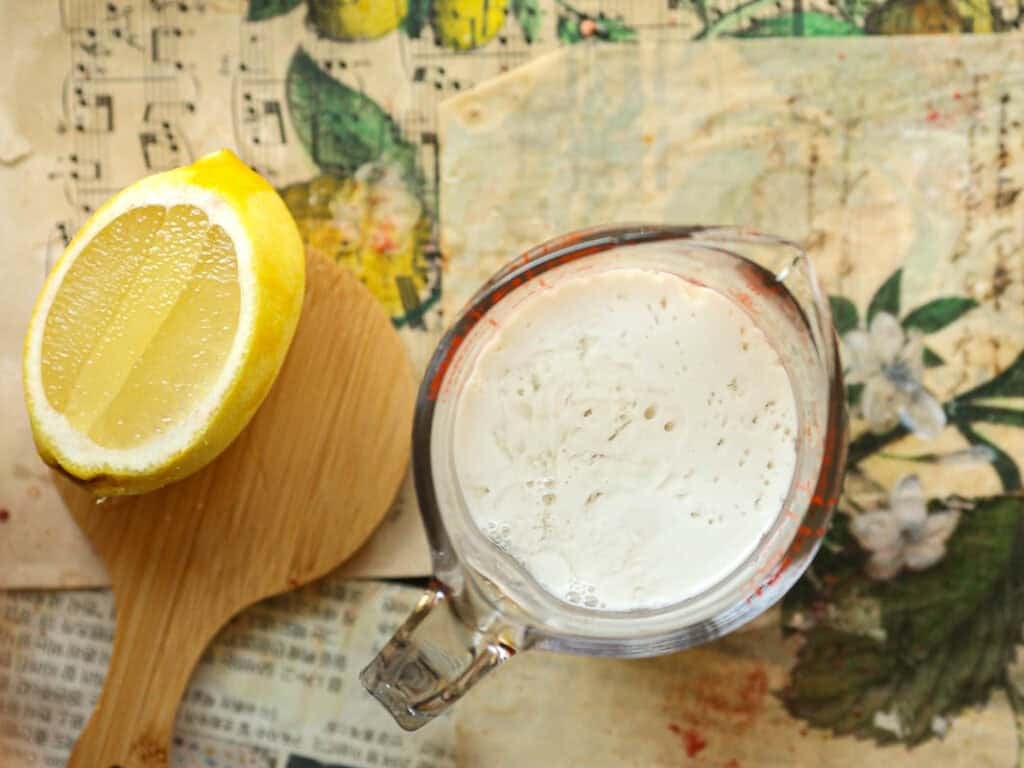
{"x":627,"y":436}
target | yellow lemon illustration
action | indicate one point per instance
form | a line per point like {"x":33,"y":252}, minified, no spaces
{"x":356,"y":19}
{"x":919,"y":17}
{"x":466,"y":24}
{"x":372,"y":224}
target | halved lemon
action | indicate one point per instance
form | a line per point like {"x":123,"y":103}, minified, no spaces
{"x":161,"y":328}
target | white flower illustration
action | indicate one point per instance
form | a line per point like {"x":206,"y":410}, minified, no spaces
{"x":904,"y":534}
{"x":888,"y":362}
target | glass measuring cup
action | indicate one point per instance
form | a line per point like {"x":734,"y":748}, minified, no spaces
{"x":483,"y":606}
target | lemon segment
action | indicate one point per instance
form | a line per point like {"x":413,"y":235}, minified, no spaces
{"x":163,"y":325}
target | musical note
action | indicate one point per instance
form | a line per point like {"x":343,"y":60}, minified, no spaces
{"x":89,"y":70}
{"x":182,"y":6}
{"x":88,"y":40}
{"x":164,"y":148}
{"x":117,"y":25}
{"x":438,"y":77}
{"x":159,"y":111}
{"x":94,"y":115}
{"x":56,"y":242}
{"x":253,"y":55}
{"x":79,"y":169}
{"x":330,"y":64}
{"x":344,"y":64}
{"x":257,"y":115}
{"x":169,"y":98}
{"x":158,"y":50}
{"x":64,"y":232}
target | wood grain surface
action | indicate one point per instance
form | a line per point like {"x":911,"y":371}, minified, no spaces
{"x":295,"y":495}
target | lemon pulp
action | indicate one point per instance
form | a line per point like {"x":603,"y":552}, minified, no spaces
{"x":142,"y":324}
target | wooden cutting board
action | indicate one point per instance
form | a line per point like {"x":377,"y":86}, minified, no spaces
{"x":296,"y":494}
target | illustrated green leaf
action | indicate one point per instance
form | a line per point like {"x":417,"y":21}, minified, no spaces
{"x":732,"y":20}
{"x":868,"y":443}
{"x":341,"y":128}
{"x":835,"y":673}
{"x":887,"y":298}
{"x":1008,"y":383}
{"x":931,"y":360}
{"x":261,"y":10}
{"x":1002,"y":462}
{"x":807,"y":23}
{"x":950,"y":631}
{"x":971,"y":413}
{"x":844,"y":314}
{"x":853,"y":394}
{"x":838,"y":560}
{"x":527,"y":14}
{"x":574,"y":26}
{"x":938,"y":313}
{"x":614,"y":30}
{"x":417,"y":17}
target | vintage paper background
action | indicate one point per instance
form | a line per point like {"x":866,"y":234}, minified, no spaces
{"x":898,"y":169}
{"x":896,"y":163}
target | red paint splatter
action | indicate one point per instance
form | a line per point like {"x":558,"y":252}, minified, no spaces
{"x":741,"y":703}
{"x":693,"y":742}
{"x":733,"y":763}
{"x":842,"y":57}
{"x":933,"y":116}
{"x":956,"y":95}
{"x":4,"y":515}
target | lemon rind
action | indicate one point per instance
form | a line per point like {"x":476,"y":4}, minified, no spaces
{"x":62,"y":444}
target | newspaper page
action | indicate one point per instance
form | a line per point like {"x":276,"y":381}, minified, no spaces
{"x":278,"y":688}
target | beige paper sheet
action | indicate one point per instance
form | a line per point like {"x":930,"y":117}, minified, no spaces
{"x":874,"y":156}
{"x":52,"y":174}
{"x":711,"y":707}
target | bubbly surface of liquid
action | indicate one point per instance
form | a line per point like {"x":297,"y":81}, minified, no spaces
{"x":627,"y":436}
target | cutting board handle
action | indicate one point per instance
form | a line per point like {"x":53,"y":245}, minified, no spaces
{"x":332,"y":438}
{"x":150,"y":666}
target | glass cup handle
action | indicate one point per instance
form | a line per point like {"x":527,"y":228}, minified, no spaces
{"x":434,"y":658}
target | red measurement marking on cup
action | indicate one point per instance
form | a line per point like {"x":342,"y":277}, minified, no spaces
{"x":442,"y":367}
{"x":824,"y":501}
{"x":744,"y":300}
